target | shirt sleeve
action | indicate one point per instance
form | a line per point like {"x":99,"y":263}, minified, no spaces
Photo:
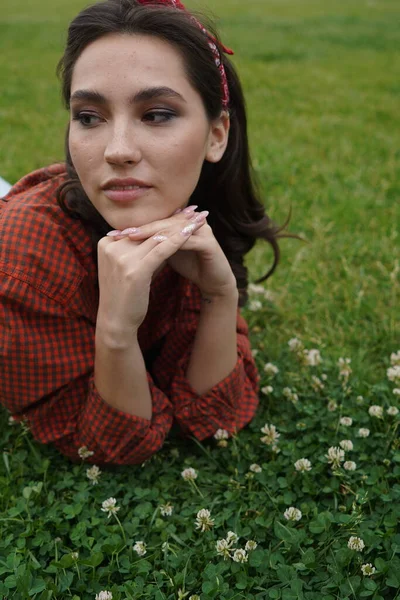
{"x":46,"y":370}
{"x":229,"y":405}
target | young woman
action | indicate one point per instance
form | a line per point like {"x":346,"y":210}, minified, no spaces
{"x":119,"y":302}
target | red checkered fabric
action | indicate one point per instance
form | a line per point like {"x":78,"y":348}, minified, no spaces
{"x":48,"y":307}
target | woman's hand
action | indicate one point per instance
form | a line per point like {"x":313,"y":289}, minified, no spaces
{"x":126,"y":268}
{"x":200,"y":259}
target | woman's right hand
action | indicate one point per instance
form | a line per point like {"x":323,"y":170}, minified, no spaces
{"x":127,"y":267}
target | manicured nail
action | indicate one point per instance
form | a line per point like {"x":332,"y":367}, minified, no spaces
{"x":201,"y":216}
{"x":159,"y":238}
{"x":177,"y":211}
{"x":188,"y":230}
{"x":130,"y":230}
{"x":190,"y":209}
{"x":114,"y":233}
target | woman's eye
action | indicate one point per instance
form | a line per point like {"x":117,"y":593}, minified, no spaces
{"x":86,"y":119}
{"x":159,"y":116}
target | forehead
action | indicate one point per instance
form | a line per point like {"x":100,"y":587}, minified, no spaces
{"x":139,"y":60}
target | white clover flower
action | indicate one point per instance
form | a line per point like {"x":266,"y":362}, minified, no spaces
{"x":292,"y":396}
{"x":396,"y":391}
{"x":166,"y":509}
{"x":356,"y":543}
{"x":295,"y":345}
{"x":109,"y":506}
{"x":269,"y":296}
{"x":303,"y":464}
{"x":254,"y":305}
{"x":93,"y":474}
{"x":140,"y":548}
{"x":392,"y":411}
{"x":232,"y":537}
{"x":316,"y":384}
{"x":332,"y":406}
{"x":74,"y":555}
{"x":367,"y":569}
{"x":312,"y":358}
{"x":344,"y":370}
{"x":335,"y":456}
{"x":194,"y":597}
{"x":240,"y":556}
{"x":375,"y":411}
{"x":349,"y":465}
{"x":393,"y":374}
{"x":104,"y":595}
{"x":395,"y":358}
{"x":253,"y":288}
{"x":254,"y":352}
{"x":221,"y":434}
{"x":267,"y":389}
{"x":271,"y":369}
{"x":189,"y":474}
{"x":271,"y":435}
{"x":203,"y":520}
{"x":85,"y":453}
{"x":223,"y":548}
{"x":250,"y":545}
{"x":292,"y":514}
{"x":346,"y":445}
{"x":363,"y":432}
{"x":222,"y":443}
{"x":275,"y":448}
{"x":324,"y":376}
{"x":12,"y":420}
{"x":360,"y":399}
{"x":344,"y":365}
{"x":255,"y":468}
{"x":346,"y":421}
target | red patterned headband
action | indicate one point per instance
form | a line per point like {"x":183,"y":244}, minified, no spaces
{"x":211,"y":43}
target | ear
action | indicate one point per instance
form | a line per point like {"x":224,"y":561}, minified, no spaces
{"x":218,"y":138}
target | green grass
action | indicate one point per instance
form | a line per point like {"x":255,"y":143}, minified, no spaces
{"x":322,"y":86}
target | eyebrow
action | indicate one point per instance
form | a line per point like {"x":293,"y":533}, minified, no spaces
{"x":151,"y":93}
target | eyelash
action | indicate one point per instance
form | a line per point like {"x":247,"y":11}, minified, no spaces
{"x":167,"y":116}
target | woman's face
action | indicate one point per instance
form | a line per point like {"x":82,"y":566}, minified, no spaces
{"x":139,"y":132}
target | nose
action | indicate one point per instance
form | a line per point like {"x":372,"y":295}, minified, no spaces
{"x":123,"y":145}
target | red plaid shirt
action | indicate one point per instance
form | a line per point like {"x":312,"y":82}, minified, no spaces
{"x":48,"y":308}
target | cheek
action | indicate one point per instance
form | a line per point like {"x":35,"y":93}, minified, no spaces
{"x":184,"y":160}
{"x":82,"y":156}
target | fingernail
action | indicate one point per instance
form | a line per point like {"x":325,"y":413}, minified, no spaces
{"x":201,"y":216}
{"x":188,"y":229}
{"x":190,"y":209}
{"x":114,"y":233}
{"x":177,"y":211}
{"x":130,"y":230}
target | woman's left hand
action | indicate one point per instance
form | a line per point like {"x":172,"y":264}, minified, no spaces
{"x":203,"y":261}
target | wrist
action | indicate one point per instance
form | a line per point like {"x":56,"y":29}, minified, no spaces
{"x":115,"y":337}
{"x":228,"y":296}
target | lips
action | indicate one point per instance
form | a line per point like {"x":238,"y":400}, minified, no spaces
{"x":125,"y":190}
{"x":126,"y":194}
{"x":116,"y":183}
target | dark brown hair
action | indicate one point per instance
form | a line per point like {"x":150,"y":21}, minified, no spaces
{"x":226,"y":188}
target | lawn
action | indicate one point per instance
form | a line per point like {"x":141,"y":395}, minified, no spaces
{"x":322,"y":88}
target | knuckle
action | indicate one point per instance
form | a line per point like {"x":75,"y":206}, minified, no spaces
{"x":108,"y":250}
